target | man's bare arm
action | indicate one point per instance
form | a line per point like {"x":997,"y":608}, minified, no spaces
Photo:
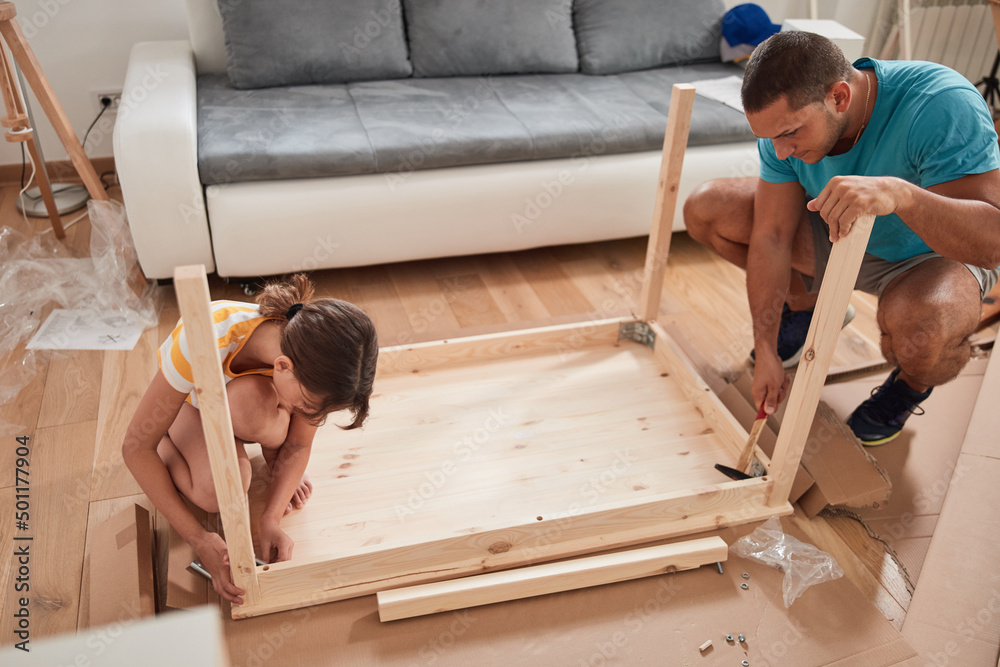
{"x":777,"y":212}
{"x":959,"y":219}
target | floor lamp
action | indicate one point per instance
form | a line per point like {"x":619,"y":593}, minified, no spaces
{"x":17,"y":124}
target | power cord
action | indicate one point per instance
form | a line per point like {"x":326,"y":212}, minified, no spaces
{"x":105,"y":105}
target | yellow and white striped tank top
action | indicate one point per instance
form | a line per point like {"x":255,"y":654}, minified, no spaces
{"x":234,"y":321}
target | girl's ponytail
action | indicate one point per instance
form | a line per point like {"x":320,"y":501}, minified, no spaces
{"x":282,"y":300}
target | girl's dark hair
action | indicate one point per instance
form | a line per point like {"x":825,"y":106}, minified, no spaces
{"x":332,"y":345}
{"x":799,"y":65}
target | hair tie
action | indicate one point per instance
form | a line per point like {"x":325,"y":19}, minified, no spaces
{"x":294,"y":308}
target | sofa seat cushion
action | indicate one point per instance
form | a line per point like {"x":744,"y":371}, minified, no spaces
{"x":396,"y":127}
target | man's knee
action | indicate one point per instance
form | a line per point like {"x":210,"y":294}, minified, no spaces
{"x":926,"y":317}
{"x":698,"y":208}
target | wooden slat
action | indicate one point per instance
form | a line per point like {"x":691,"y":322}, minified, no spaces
{"x":191,"y":285}
{"x":291,"y":585}
{"x":408,"y":358}
{"x":550,"y":578}
{"x":834,"y":295}
{"x":674,"y":145}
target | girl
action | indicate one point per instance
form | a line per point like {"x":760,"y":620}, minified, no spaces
{"x":288,"y":361}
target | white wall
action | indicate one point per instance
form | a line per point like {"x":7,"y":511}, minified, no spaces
{"x":83,"y":46}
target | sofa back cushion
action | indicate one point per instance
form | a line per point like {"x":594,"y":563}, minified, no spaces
{"x":616,"y":36}
{"x":291,"y":42}
{"x":472,"y":37}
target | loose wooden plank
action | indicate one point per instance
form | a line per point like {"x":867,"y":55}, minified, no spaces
{"x":674,"y":145}
{"x":550,"y":578}
{"x":191,"y":286}
{"x":834,"y":295}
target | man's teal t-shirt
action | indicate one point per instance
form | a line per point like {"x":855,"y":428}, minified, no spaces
{"x":929,"y":125}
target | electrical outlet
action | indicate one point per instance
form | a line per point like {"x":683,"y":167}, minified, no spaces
{"x":100,"y":95}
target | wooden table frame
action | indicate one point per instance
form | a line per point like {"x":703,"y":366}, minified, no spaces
{"x":668,"y":513}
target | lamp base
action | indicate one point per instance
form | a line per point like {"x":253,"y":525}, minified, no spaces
{"x":68,"y":198}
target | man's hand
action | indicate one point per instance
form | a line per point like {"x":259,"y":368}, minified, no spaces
{"x":770,"y":382}
{"x":275,"y":544}
{"x":846,"y":198}
{"x":214,"y":556}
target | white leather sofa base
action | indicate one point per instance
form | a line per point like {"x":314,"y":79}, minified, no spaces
{"x":267,"y":227}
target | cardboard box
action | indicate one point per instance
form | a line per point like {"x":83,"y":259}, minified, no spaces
{"x":843,"y":473}
{"x":850,"y":42}
{"x":121,"y":569}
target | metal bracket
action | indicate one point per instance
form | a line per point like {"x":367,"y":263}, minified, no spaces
{"x":757,"y":469}
{"x":637,"y":331}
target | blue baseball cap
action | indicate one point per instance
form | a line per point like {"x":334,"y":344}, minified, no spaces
{"x":747,"y":24}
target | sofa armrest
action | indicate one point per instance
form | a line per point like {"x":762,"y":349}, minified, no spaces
{"x":156,"y":155}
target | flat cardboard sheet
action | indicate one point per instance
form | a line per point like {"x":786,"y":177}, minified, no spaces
{"x":121,"y":569}
{"x":954,"y":617}
{"x":920,"y":462}
{"x":655,"y":621}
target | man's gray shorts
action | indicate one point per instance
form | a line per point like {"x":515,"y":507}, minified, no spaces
{"x":876,"y":273}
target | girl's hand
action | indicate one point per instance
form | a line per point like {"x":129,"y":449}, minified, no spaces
{"x":214,"y":556}
{"x":275,"y":544}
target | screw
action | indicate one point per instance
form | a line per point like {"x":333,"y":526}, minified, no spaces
{"x":745,"y":585}
{"x":742,"y":638}
{"x":720,"y":567}
{"x":729,"y":638}
{"x":745,"y":575}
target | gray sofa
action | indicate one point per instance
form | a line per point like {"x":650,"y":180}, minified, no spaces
{"x":333,"y":134}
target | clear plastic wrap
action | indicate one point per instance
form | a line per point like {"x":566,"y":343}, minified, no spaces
{"x":803,"y":564}
{"x":36,"y":270}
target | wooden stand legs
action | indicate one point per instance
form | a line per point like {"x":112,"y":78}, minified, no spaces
{"x":16,"y":124}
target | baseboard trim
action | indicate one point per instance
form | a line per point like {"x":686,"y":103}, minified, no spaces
{"x":60,"y":171}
